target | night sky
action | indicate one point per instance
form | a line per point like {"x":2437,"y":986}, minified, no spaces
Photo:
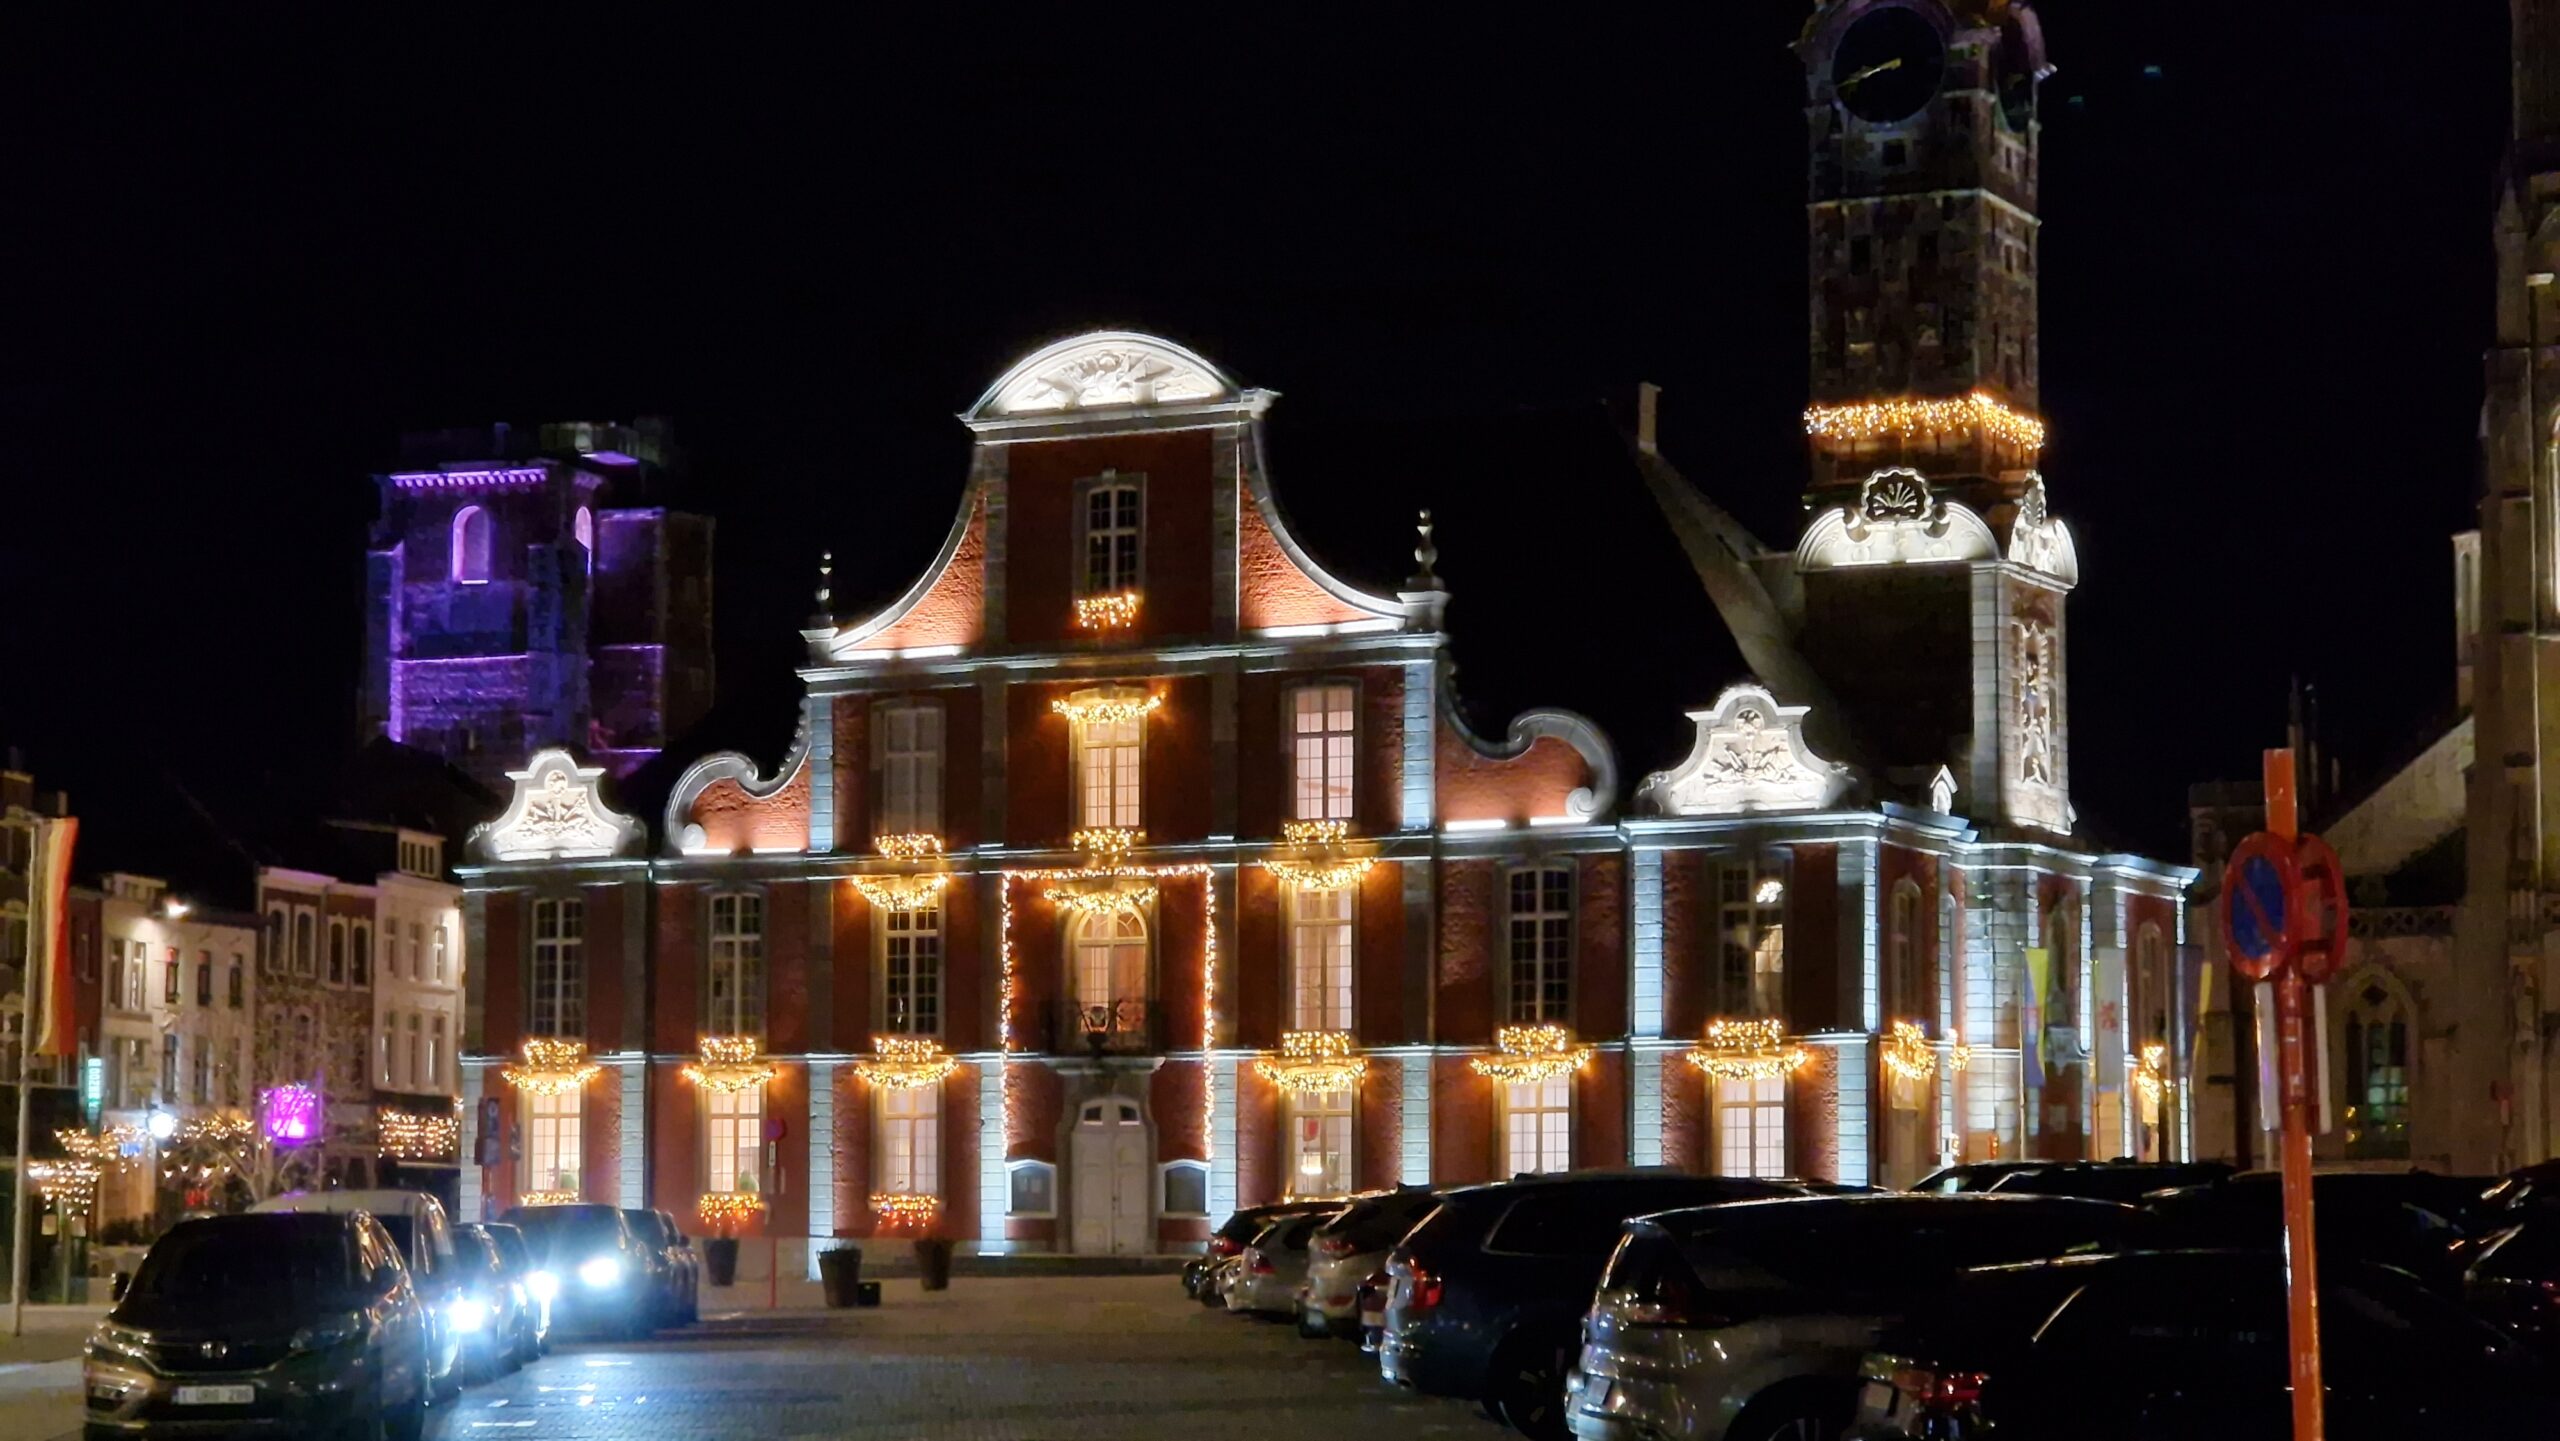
{"x":238,"y":264}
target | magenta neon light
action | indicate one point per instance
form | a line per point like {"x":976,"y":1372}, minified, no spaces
{"x":292,"y":1114}
{"x":458,"y":479}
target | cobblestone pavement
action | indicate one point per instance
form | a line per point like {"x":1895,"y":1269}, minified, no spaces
{"x":1011,"y":1359}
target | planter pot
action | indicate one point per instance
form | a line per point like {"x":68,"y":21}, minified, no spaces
{"x":933,"y":1259}
{"x":720,"y":1260}
{"x":840,"y":1272}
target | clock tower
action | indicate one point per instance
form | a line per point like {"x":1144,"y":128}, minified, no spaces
{"x":1921,"y":223}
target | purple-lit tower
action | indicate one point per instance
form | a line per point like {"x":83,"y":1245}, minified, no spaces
{"x":520,"y":593}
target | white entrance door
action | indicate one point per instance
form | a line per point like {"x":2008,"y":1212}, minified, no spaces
{"x":1110,"y":1200}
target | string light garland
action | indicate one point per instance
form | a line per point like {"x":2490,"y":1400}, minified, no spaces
{"x":1530,"y":1054}
{"x":905,"y":1063}
{"x":1320,"y":866}
{"x":1085,"y":710}
{"x":1311,"y":1062}
{"x":552,"y":1067}
{"x":1114,"y":896}
{"x":419,"y":1136}
{"x":1910,"y":1057}
{"x":729,"y":1063}
{"x":1105,"y":845}
{"x":1115,"y":611}
{"x":548,"y":1198}
{"x":2151,"y":1080}
{"x":903,"y":1212}
{"x":724,"y":1211}
{"x":901,"y":894}
{"x":68,"y":1185}
{"x":1914,"y":416}
{"x":908,"y":846}
{"x":1746,"y":1051}
{"x":1314,"y":833}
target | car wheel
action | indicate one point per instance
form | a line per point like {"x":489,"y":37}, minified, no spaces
{"x":1529,"y":1388}
{"x":1309,"y":1325}
{"x":1796,"y":1413}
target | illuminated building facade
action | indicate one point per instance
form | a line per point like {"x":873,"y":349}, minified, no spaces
{"x":521,"y":593}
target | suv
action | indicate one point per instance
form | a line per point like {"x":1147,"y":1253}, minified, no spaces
{"x":1747,"y":1322}
{"x":293,"y":1324}
{"x":600,"y":1272}
{"x":679,"y":1271}
{"x":416,"y":1224}
{"x":1487,"y":1293}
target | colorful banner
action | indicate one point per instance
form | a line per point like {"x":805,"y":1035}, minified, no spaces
{"x":2031,"y":1012}
{"x":49,"y":932}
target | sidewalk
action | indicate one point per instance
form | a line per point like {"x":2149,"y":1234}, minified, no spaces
{"x":40,"y":1373}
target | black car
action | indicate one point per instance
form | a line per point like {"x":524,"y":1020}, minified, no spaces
{"x":281,"y":1324}
{"x":2405,"y":1219}
{"x":1973,"y":1176}
{"x":1236,"y":1233}
{"x":602,"y":1276}
{"x":2108,"y":1180}
{"x":2193,"y":1346}
{"x":491,"y":1309}
{"x":1487,"y":1294}
{"x":675,"y":1270}
{"x":515,"y":1260}
{"x":2512,"y":1277}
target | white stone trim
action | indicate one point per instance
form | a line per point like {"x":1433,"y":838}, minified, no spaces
{"x":1414,"y":1128}
{"x":1646,"y":988}
{"x":632,"y":1124}
{"x":1855,"y":1111}
{"x":995,"y":1186}
{"x":1421,"y":784}
{"x":474,"y":1203}
{"x":1222,"y":1131}
{"x":822,"y":1155}
{"x":1644,"y":1093}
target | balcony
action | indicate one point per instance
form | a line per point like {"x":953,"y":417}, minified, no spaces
{"x":1127,"y":1026}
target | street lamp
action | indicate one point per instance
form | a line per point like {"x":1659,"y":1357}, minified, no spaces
{"x":175,"y":909}
{"x":162,"y":1125}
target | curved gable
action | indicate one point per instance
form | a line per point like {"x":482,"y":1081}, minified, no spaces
{"x":946,"y":607}
{"x":1552,"y":766}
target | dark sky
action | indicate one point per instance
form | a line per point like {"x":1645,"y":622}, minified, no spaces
{"x":238,"y":263}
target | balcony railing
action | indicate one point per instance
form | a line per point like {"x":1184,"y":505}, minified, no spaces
{"x":1126,"y":1026}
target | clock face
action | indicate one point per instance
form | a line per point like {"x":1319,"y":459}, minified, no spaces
{"x":1888,"y":65}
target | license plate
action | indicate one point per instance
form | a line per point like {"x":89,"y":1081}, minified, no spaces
{"x":216,"y":1395}
{"x":1876,"y":1396}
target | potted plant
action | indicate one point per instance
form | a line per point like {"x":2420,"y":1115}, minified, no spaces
{"x":840,"y":1272}
{"x":905,"y":1214}
{"x":725,"y":1213}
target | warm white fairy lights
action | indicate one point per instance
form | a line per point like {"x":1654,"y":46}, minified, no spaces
{"x":1312,"y":1062}
{"x":551,"y":1066}
{"x":1116,"y":611}
{"x":1746,"y":1051}
{"x":1912,"y":416}
{"x":725,"y":1211}
{"x":2151,"y":1081}
{"x":902,"y":894}
{"x":419,"y":1135}
{"x":729,"y":1063}
{"x":1092,"y":708}
{"x":1531,"y":1053}
{"x":905,"y":1063}
{"x":903,"y":1213}
{"x":1319,"y":864}
{"x":548,"y":1198}
{"x":908,"y":846}
{"x":1909,"y":1056}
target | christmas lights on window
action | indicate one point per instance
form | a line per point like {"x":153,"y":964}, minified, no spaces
{"x":2151,"y":1081}
{"x":1117,"y":610}
{"x":1105,"y":845}
{"x":1317,"y":862}
{"x":1530,"y":1054}
{"x":1087,"y":708}
{"x":291,"y":1114}
{"x":905,"y":1063}
{"x":419,"y":1136}
{"x":547,"y":1198}
{"x":1908,"y":1055}
{"x":1106,"y":886}
{"x":1746,"y":1051}
{"x":725,"y":1211}
{"x":904,"y":1213}
{"x":910,"y":846}
{"x":1311,"y":1062}
{"x":730,"y":1063}
{"x":551,"y":1067}
{"x":1909,"y":417}
{"x":902,"y":893}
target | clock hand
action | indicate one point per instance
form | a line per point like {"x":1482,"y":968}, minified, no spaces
{"x":1871,"y":72}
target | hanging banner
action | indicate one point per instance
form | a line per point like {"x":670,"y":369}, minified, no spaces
{"x":2195,"y":990}
{"x":2031,"y":1012}
{"x":49,"y":931}
{"x":2108,"y":1045}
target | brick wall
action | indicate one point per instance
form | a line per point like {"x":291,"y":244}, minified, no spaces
{"x":1255,"y":984}
{"x":1378,"y":1153}
{"x":608,"y":983}
{"x":1691,"y":946}
{"x":680,"y":952}
{"x":854,"y":967}
{"x":1468,"y":928}
{"x":786,"y":966}
{"x":1274,"y":590}
{"x":1813,"y":1116}
{"x":501,"y":971}
{"x":1461,"y":1124}
{"x":1600,"y":943}
{"x":1814,"y":998}
{"x":1175,"y":795}
{"x":952,"y":611}
{"x":1599,"y":1111}
{"x":1378,"y":953}
{"x":1040,"y":528}
{"x":1474,"y":786}
{"x":733,"y":820}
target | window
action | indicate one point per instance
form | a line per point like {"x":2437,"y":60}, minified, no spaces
{"x":910,"y":1153}
{"x":418,"y":944}
{"x":2377,"y":1077}
{"x":2151,"y":998}
{"x":1906,"y":988}
{"x":907,"y":741}
{"x":1320,"y":753}
{"x":1751,"y":908}
{"x":737,"y":965}
{"x":231,"y":993}
{"x":204,"y":978}
{"x":137,"y":960}
{"x":1113,"y":535}
{"x":169,"y":980}
{"x":585,"y":529}
{"x":434,"y":1078}
{"x":1751,"y":1127}
{"x":1107,"y":756}
{"x":1031,"y":1188}
{"x":1950,"y":993}
{"x":1110,"y":961}
{"x":559,"y":967}
{"x":169,"y":1066}
{"x":1186,"y":1189}
{"x":1320,"y":958}
{"x":235,"y":1087}
{"x":360,"y":955}
{"x":337,"y":952}
{"x":2071,"y":993}
{"x":133,"y":1076}
{"x":1537,"y":1125}
{"x":551,"y":1141}
{"x":417,"y":1067}
{"x":300,"y":1064}
{"x":736,"y":1152}
{"x":1320,"y":1143}
{"x":471,"y":526}
{"x":382,"y":1055}
{"x":1541,"y":945}
{"x":199,"y":1072}
{"x":305,"y":959}
{"x":442,"y":946}
{"x":911,"y":971}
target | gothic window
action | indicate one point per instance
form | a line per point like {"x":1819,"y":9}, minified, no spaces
{"x":360,"y":955}
{"x":737,"y":964}
{"x":1320,"y":1143}
{"x":551,"y":1143}
{"x":559,"y":968}
{"x":1108,"y":758}
{"x":1751,"y":1126}
{"x":1541,"y":950}
{"x":1320,"y":958}
{"x":2377,"y":1077}
{"x":1537,"y":1125}
{"x":1751,"y":908}
{"x":1114,"y":536}
{"x":471,"y":526}
{"x":910,"y":1141}
{"x":586,"y":533}
{"x":911,"y":971}
{"x":735,"y":1156}
{"x":1320,"y":750}
{"x":907,"y":741}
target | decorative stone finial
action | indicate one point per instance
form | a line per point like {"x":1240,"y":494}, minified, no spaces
{"x":1425,"y":554}
{"x":826,"y":593}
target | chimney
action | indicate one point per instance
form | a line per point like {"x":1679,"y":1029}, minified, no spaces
{"x":1648,"y":401}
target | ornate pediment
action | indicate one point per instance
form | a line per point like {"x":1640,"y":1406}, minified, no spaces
{"x":557,"y":814}
{"x":1749,"y":756}
{"x":2039,"y":540}
{"x":1896,"y":520}
{"x":1104,"y":369}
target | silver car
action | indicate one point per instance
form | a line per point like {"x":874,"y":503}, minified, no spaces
{"x":1748,"y":1321}
{"x":1351,"y":1248}
{"x":1263,"y":1280}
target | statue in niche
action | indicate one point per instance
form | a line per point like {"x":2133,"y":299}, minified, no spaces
{"x":2035,"y":702}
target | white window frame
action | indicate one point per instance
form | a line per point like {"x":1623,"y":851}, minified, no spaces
{"x":907,"y":1131}
{"x":907,"y":743}
{"x":465,"y":567}
{"x":559,"y":964}
{"x":1323,"y":730}
{"x":911,"y":941}
{"x":1321,"y":969}
{"x":1529,"y":934}
{"x":1164,"y":1190}
{"x":1319,"y":1131}
{"x":1096,"y":948}
{"x":1117,"y":577}
{"x":1108,"y":764}
{"x":443,"y":951}
{"x":1536,"y":1125}
{"x":1758,"y":928}
{"x":1014,"y":1168}
{"x":733,"y":1124}
{"x":1750,"y":1134}
{"x":554,"y":1155}
{"x":736,"y":965}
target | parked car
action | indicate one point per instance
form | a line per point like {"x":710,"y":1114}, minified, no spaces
{"x":2192,"y":1346}
{"x":285,"y":1324}
{"x":1489,"y":1290}
{"x":1973,"y":1176}
{"x":2109,"y":1180}
{"x":1373,"y":1310}
{"x":600,"y":1271}
{"x":1239,"y":1228}
{"x":417,"y":1225}
{"x":676,"y":1269}
{"x":2405,"y":1219}
{"x":2511,"y":1278}
{"x":1214,"y":1279}
{"x":499,"y":1333}
{"x":540,"y":1286}
{"x":1747,"y":1322}
{"x":1270,"y":1269}
{"x":1349,"y":1247}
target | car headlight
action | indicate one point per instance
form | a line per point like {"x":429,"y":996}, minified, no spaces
{"x":543,"y":1285}
{"x":111,"y":1342}
{"x":336,"y":1331}
{"x":468,"y":1313}
{"x":601,"y":1272}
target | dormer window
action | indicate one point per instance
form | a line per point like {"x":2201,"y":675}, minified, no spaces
{"x":471,"y":526}
{"x":1114,"y":534}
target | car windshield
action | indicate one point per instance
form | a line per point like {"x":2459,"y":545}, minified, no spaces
{"x":510,"y":1245}
{"x":403,"y":1232}
{"x":288,"y":1263}
{"x":550,"y":1231}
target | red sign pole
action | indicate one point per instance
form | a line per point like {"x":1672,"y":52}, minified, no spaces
{"x":2302,"y":1268}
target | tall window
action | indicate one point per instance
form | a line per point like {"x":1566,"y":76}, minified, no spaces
{"x":231,"y":994}
{"x":911,"y":971}
{"x":471,"y":526}
{"x":199,"y":1071}
{"x":443,"y":947}
{"x":735,"y":1156}
{"x":585,"y":529}
{"x":1751,"y":911}
{"x":908,"y":740}
{"x":1905,"y":992}
{"x":337,"y":952}
{"x":169,"y":980}
{"x":2377,"y":1077}
{"x":1107,"y":758}
{"x":137,"y":960}
{"x":1950,"y":995}
{"x":1320,"y":1143}
{"x":1537,"y":1125}
{"x":737,"y":964}
{"x":2151,"y":998}
{"x":169,"y":1066}
{"x":2070,"y":987}
{"x":272,"y":957}
{"x":360,"y":955}
{"x":1542,"y":945}
{"x":911,"y":1141}
{"x":204,"y":978}
{"x":551,"y":1141}
{"x":559,"y":967}
{"x":434,"y":1079}
{"x":1320,"y":959}
{"x":305,"y":948}
{"x":417,"y":951}
{"x":417,"y":1058}
{"x":1113,"y":536}
{"x":1751,"y":1127}
{"x":1320,"y":752}
{"x":1110,"y":960}
{"x":300,"y":1065}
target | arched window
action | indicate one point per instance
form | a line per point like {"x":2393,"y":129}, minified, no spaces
{"x":2377,"y":1075}
{"x":1110,"y":977}
{"x":586,"y":532}
{"x":471,"y":527}
{"x":337,"y":952}
{"x":271,"y":954}
{"x":1905,"y":995}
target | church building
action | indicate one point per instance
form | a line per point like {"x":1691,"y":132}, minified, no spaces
{"x":1133,"y":865}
